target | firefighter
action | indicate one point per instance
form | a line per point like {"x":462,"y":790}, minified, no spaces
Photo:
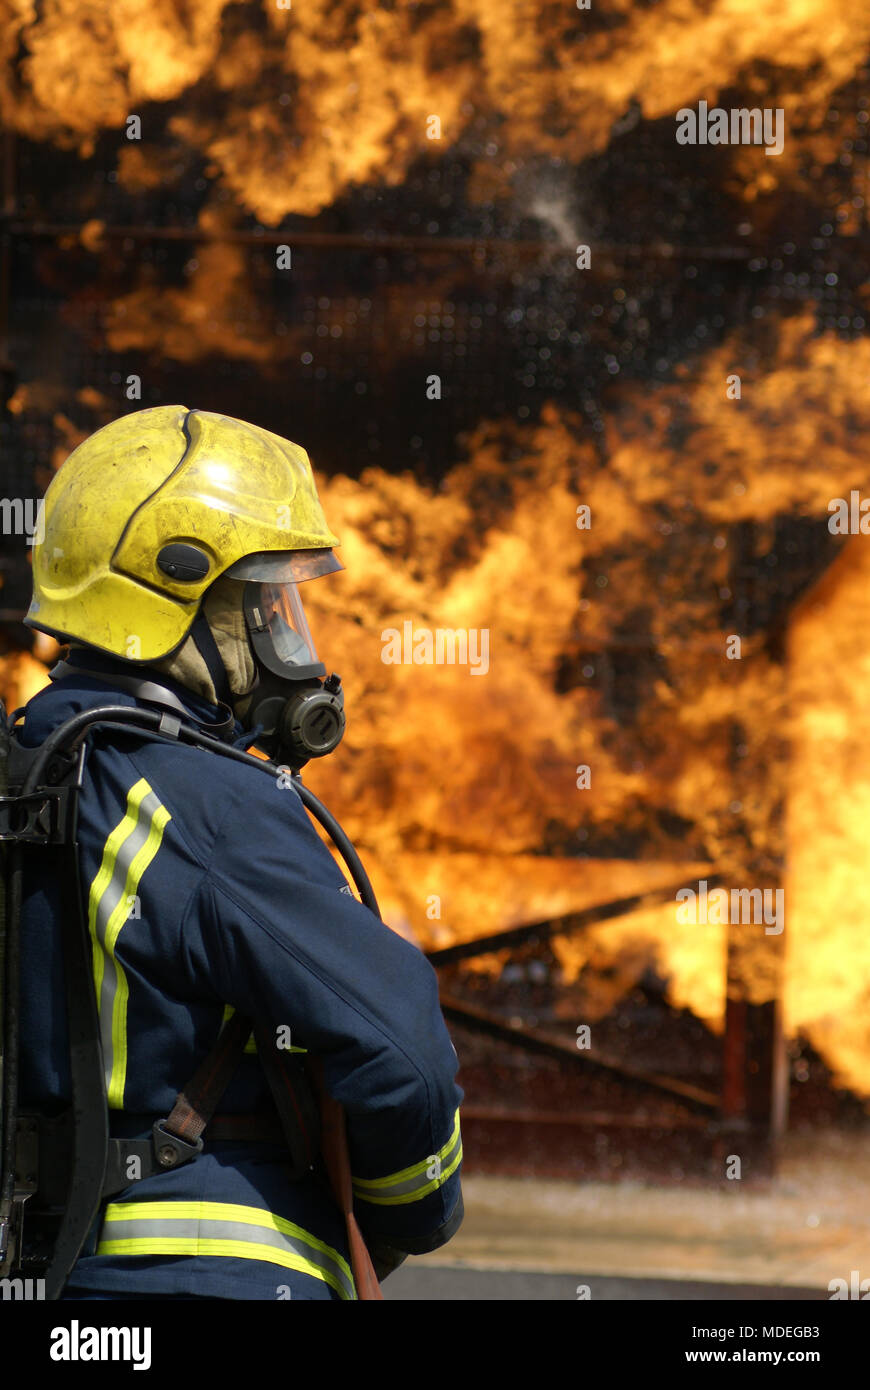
{"x":174,"y":544}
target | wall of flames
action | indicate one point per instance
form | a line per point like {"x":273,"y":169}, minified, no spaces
{"x":448,"y":781}
{"x":289,"y":108}
{"x":461,"y":787}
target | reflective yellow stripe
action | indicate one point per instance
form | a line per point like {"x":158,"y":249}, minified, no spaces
{"x":218,"y":1211}
{"x":105,"y":871}
{"x":414,"y":1183}
{"x":402,"y":1198}
{"x":126,"y":855}
{"x":415,"y":1168}
{"x":220,"y":1229}
{"x":234,"y":1249}
{"x":159,"y":822}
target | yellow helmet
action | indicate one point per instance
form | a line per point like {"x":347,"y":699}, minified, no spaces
{"x":150,"y":510}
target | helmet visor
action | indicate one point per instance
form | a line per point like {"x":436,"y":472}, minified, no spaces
{"x":279,"y":607}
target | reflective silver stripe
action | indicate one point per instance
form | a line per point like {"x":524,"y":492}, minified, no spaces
{"x":260,"y":1236}
{"x":111,"y":899}
{"x":412,"y":1184}
{"x":127,"y":853}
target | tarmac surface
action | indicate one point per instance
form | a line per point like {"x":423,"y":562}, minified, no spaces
{"x":452,"y":1284}
{"x":784,"y":1239}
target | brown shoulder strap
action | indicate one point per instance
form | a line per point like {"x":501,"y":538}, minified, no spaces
{"x":197,"y":1102}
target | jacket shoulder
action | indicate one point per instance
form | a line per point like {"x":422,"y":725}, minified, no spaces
{"x":200,"y":789}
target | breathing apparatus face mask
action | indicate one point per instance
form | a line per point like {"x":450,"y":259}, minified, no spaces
{"x":299,"y":709}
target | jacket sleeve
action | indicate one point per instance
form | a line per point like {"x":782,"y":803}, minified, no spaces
{"x":279,"y":936}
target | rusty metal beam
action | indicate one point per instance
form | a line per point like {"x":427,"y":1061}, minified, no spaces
{"x":373,"y":242}
{"x":536,"y":1040}
{"x":556,"y":926}
{"x":7,"y":208}
{"x":497,"y":1114}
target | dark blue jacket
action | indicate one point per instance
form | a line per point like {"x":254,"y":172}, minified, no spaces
{"x":207,"y":888}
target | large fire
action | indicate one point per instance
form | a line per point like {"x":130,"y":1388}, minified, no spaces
{"x":447,"y":762}
{"x":462,"y":789}
{"x":291,"y":106}
{"x":449,"y":780}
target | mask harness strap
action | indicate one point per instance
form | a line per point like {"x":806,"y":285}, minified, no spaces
{"x":205,"y":644}
{"x":143,"y":689}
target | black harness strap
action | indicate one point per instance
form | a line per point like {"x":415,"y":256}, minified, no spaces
{"x":90,"y":1109}
{"x":294,"y":1099}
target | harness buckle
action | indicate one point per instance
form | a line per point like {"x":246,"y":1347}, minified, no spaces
{"x":41,"y":818}
{"x":169,"y":1149}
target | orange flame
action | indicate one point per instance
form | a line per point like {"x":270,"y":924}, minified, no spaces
{"x":291,"y":108}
